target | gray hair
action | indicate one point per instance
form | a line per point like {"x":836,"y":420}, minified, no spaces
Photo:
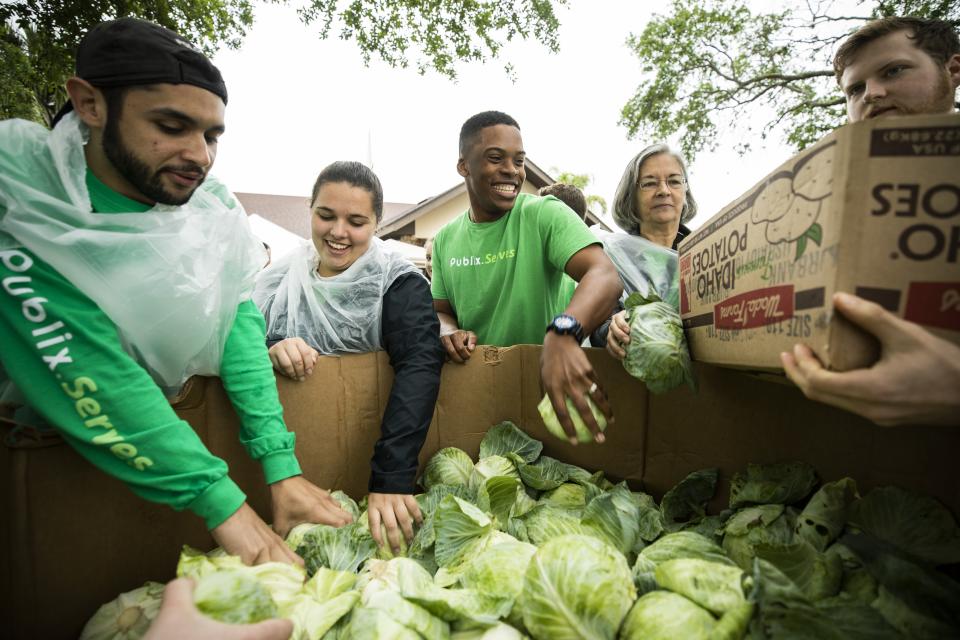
{"x":624,"y":211}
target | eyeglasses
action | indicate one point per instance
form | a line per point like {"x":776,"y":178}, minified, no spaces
{"x":651,"y":185}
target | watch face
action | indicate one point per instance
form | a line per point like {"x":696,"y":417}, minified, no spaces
{"x":563,"y":322}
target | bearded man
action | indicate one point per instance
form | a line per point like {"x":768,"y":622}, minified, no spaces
{"x":126,"y":268}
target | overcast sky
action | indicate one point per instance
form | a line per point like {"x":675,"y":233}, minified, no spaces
{"x":298,"y":103}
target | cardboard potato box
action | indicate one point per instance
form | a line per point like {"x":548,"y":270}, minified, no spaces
{"x":72,"y":538}
{"x":872,"y":209}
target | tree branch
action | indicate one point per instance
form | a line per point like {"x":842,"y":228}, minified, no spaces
{"x":721,"y":52}
{"x":807,"y":104}
{"x":717,"y":71}
{"x":805,"y":75}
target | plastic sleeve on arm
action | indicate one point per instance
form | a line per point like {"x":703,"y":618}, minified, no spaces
{"x":410,"y":329}
{"x":250,"y":383}
{"x":64,"y":355}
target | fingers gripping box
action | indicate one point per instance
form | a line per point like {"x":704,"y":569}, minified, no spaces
{"x":872,"y":209}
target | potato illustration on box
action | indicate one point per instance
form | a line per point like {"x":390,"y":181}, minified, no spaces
{"x":789,"y":202}
{"x":774,"y":198}
{"x":813,"y":175}
{"x":800,"y":218}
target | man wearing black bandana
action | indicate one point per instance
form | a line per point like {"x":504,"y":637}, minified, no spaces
{"x":112,"y":238}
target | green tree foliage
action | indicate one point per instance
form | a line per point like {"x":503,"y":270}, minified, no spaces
{"x":43,"y":35}
{"x":438,"y":33}
{"x":718,"y":66}
{"x":580,"y":181}
{"x":16,"y":98}
{"x":38,"y":37}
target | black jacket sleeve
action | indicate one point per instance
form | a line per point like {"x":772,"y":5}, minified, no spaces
{"x":599,"y":336}
{"x":411,"y":333}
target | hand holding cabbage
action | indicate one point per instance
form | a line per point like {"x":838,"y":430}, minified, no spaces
{"x":568,"y":377}
{"x":391,"y":518}
{"x":296,"y":500}
{"x":179,"y":618}
{"x":657,"y":351}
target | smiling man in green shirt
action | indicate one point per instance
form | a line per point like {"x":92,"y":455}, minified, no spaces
{"x":125,"y":268}
{"x":500,"y":268}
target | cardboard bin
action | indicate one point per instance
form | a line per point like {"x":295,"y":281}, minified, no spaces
{"x":872,"y":209}
{"x":73,"y":538}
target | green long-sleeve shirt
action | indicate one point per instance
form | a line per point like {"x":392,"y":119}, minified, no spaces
{"x":65,"y":356}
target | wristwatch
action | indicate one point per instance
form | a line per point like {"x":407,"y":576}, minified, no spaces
{"x":565,"y":325}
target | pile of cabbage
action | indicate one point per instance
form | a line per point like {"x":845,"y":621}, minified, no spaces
{"x":518,"y":544}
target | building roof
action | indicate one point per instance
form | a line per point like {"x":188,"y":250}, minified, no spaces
{"x":400,"y":218}
{"x":291,"y":212}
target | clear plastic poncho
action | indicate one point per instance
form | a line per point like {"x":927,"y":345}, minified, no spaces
{"x":334,"y":315}
{"x":644,"y":267}
{"x":170,"y":279}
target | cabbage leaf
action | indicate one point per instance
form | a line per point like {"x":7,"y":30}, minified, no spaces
{"x":780,"y":483}
{"x":576,"y":587}
{"x":447,"y":466}
{"x":686,"y":503}
{"x":914,"y":523}
{"x":661,"y":615}
{"x":712,"y":585}
{"x":506,"y":438}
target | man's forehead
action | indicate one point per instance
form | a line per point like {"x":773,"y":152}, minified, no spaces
{"x":500,"y":135}
{"x":194,"y":102}
{"x":881,"y":52}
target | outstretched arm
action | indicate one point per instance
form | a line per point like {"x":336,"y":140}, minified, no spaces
{"x":565,"y":370}
{"x":410,"y":327}
{"x":916,"y":380}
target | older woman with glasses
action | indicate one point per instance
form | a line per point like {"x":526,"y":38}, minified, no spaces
{"x":652,"y":202}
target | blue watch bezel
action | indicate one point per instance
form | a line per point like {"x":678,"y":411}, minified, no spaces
{"x":574,"y":329}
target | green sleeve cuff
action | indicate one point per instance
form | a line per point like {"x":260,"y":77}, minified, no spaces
{"x":218,"y":502}
{"x":280,"y":465}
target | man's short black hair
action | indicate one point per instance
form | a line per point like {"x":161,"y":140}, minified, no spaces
{"x":475,"y":124}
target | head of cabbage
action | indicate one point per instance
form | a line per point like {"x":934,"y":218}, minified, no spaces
{"x":552,"y":422}
{"x":576,"y":586}
{"x":657,"y":352}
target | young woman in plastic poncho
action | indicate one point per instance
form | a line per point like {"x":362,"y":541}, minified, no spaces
{"x":344,"y":293}
{"x":652,"y":202}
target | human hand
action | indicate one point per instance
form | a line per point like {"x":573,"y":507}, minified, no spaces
{"x":293,"y":358}
{"x":459,"y":344}
{"x":916,"y":380}
{"x":179,"y":619}
{"x":618,"y":336}
{"x":396,"y":512}
{"x":297,"y":500}
{"x":565,"y":372}
{"x":244,"y":534}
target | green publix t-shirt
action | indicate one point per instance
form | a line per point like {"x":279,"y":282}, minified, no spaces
{"x":64,"y":355}
{"x":505,"y":279}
